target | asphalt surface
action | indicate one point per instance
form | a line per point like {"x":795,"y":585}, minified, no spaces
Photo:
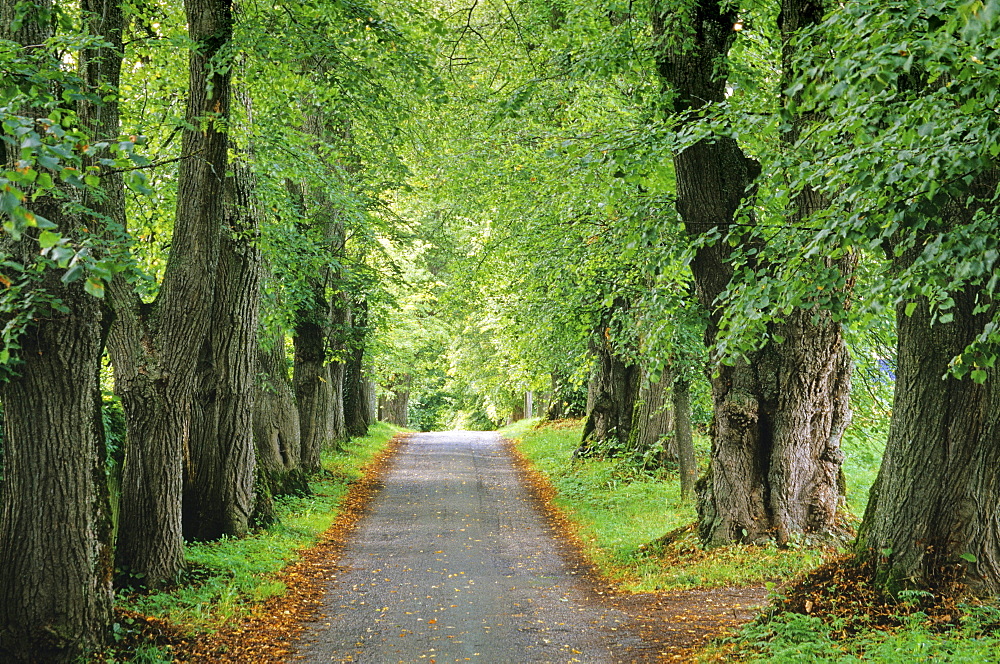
{"x":454,"y":562}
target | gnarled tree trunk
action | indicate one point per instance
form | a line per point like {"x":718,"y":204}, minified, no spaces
{"x":276,"y":419}
{"x":612,"y":392}
{"x":155,"y":347}
{"x":778,"y":417}
{"x":653,"y":423}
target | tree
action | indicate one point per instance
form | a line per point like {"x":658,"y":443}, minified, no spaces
{"x":653,"y":423}
{"x":929,"y":201}
{"x":779,"y":413}
{"x":220,"y":467}
{"x":276,"y":426}
{"x":614,"y":385}
{"x":55,"y":582}
{"x":154,"y":347}
{"x":357,"y":395}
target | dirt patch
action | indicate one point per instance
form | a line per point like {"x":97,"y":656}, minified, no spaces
{"x":672,"y":624}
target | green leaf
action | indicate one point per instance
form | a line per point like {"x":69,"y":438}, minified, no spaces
{"x":968,"y":557}
{"x":94,"y":286}
{"x":72,"y":274}
{"x":48,"y":239}
{"x":910,"y":308}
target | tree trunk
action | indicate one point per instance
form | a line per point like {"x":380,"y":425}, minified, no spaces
{"x":219,"y":469}
{"x":369,"y":392}
{"x":556,"y":409}
{"x":341,"y":324}
{"x":55,"y":531}
{"x":320,"y":328}
{"x":777,"y":420}
{"x":683,"y":439}
{"x":612,"y":393}
{"x":276,"y":419}
{"x":155,"y":348}
{"x":314,"y":386}
{"x":935,"y":497}
{"x":653,"y":425}
{"x":357,"y":416}
{"x":394,"y":407}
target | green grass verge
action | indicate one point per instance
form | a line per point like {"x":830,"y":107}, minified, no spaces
{"x":228,"y":576}
{"x":621,"y":512}
{"x":793,"y":637}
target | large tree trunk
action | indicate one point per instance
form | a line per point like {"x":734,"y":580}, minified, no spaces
{"x":394,"y":409}
{"x":320,"y":328}
{"x":219,"y":469}
{"x":357,"y":414}
{"x":778,"y":418}
{"x":55,"y":531}
{"x":155,"y":348}
{"x":653,"y":424}
{"x":314,"y":387}
{"x":937,"y":490}
{"x":612,"y":393}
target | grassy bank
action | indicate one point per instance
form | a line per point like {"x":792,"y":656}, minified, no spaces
{"x":621,"y":513}
{"x":225,"y":579}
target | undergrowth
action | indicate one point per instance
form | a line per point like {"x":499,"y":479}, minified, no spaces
{"x":226,"y":578}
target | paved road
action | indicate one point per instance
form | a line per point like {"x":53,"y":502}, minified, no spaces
{"x":454,"y":563}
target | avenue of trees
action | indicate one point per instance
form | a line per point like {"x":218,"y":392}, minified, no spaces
{"x":236,"y":234}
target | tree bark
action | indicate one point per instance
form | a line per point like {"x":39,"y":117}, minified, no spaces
{"x":937,"y":489}
{"x":612,"y":393}
{"x":320,"y":329}
{"x":276,"y":419}
{"x":155,"y":347}
{"x":314,"y":387}
{"x":220,"y":467}
{"x":931,"y":518}
{"x":683,"y":438}
{"x":653,"y":424}
{"x":357,"y":413}
{"x":55,"y":581}
{"x":394,"y":405}
{"x":777,"y":419}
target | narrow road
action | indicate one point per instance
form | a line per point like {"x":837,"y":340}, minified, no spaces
{"x":454,"y":562}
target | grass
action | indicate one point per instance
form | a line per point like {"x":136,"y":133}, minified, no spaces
{"x":791,"y":637}
{"x":621,"y":513}
{"x":227,"y":577}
